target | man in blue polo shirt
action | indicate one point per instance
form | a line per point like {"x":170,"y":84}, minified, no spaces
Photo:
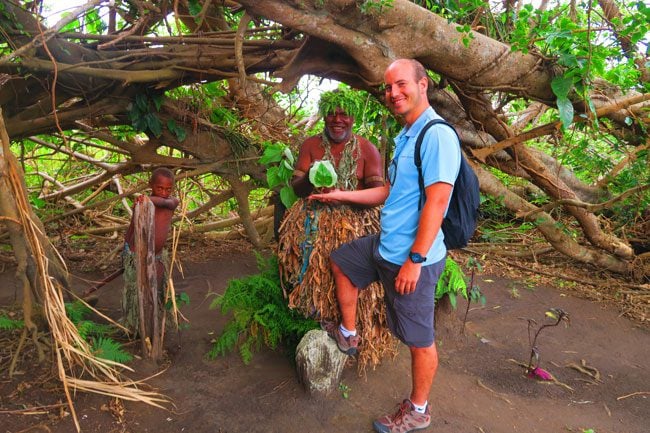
{"x":408,"y":255}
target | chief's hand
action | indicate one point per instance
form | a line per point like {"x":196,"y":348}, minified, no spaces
{"x":327,"y":195}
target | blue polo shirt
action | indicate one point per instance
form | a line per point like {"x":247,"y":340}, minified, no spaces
{"x":400,"y":215}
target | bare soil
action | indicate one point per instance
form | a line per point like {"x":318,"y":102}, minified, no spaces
{"x":480,"y":387}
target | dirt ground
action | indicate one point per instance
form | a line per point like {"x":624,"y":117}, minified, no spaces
{"x":479,"y":386}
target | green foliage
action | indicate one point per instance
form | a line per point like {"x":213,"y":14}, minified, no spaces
{"x":260,"y":314}
{"x":580,"y":42}
{"x":195,"y":8}
{"x":561,"y":86}
{"x":466,"y":34}
{"x":93,"y":22}
{"x":9,"y":324}
{"x":182,"y":299}
{"x":345,"y":390}
{"x":109,"y":349}
{"x":504,"y":231}
{"x":372,"y":7}
{"x":76,"y":311}
{"x":345,"y":99}
{"x":372,"y":119}
{"x":279,"y":161}
{"x":177,"y":130}
{"x":451,"y":282}
{"x":143,"y":112}
{"x":474,"y":293}
{"x":88,"y":328}
{"x":144,"y":115}
{"x":97,"y":334}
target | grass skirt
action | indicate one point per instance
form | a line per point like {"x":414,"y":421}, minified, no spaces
{"x":309,"y":232}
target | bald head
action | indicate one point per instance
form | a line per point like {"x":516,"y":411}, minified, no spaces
{"x":416,"y":67}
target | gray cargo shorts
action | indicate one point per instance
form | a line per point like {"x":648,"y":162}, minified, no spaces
{"x":409,"y":317}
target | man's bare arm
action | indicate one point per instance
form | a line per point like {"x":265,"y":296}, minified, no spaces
{"x":429,"y":224}
{"x":300,"y":180}
{"x":362,"y":197}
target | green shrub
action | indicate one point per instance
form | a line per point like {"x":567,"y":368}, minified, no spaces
{"x":97,"y":334}
{"x":451,"y":282}
{"x":260,"y":314}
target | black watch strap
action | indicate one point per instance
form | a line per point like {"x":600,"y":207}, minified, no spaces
{"x":417,"y":257}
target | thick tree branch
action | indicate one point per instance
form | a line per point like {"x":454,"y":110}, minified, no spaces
{"x":51,"y":32}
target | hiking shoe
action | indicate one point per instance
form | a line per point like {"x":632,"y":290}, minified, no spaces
{"x":405,"y":419}
{"x":348,"y":345}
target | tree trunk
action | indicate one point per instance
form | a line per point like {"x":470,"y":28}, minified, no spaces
{"x":149,"y":296}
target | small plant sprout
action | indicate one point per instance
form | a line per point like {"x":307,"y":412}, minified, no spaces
{"x":345,"y":390}
{"x":557,"y":315}
{"x":474,"y":293}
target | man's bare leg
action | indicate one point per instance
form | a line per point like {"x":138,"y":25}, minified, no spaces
{"x":424,"y":364}
{"x":347,"y":296}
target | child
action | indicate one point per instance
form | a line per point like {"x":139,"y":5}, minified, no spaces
{"x":162,"y":185}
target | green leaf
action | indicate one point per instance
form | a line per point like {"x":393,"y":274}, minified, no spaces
{"x":178,"y":131}
{"x":141,"y":102}
{"x":272,"y":153}
{"x":184,"y":298}
{"x":158,"y":101}
{"x":566,"y":111}
{"x":194,"y":7}
{"x":38,"y":203}
{"x":322,"y":174}
{"x":288,"y":196}
{"x":288,"y":154}
{"x":153,"y":124}
{"x":452,"y":300}
{"x":561,"y":86}
{"x":273,"y":177}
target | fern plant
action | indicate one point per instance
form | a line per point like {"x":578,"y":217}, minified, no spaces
{"x":260,"y":314}
{"x":451,"y":282}
{"x":97,"y":334}
{"x":10,"y":324}
{"x":107,"y":348}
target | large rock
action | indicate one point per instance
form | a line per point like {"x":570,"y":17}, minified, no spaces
{"x":319,"y":363}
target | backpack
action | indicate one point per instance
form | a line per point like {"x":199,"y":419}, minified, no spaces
{"x":460,"y":223}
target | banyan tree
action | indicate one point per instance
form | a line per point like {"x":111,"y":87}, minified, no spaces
{"x":550,"y":101}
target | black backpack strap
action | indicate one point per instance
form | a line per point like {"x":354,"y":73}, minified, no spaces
{"x":418,"y":156}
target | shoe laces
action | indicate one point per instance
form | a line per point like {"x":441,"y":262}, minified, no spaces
{"x":403,"y":409}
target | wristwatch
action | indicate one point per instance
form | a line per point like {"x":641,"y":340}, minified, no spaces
{"x":417,"y":257}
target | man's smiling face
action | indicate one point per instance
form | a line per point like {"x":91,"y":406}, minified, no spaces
{"x":338,"y":126}
{"x":405,"y":95}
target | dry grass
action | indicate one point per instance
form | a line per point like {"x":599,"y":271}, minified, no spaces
{"x":74,"y":358}
{"x":311,"y":288}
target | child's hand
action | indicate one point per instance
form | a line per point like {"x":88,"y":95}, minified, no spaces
{"x":140,"y":198}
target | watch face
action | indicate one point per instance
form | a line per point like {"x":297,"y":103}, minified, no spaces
{"x":417,"y":258}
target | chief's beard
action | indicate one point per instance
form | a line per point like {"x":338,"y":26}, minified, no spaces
{"x":338,"y":137}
